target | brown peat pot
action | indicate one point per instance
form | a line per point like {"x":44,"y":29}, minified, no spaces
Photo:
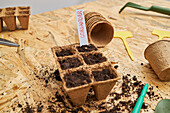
{"x":158,"y":56}
{"x":104,"y":77}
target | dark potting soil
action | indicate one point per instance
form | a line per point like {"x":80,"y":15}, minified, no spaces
{"x":70,"y":63}
{"x":39,"y":107}
{"x":86,"y":48}
{"x":28,"y":109}
{"x":102,"y":75}
{"x":64,"y":53}
{"x":94,"y":58}
{"x":76,"y":78}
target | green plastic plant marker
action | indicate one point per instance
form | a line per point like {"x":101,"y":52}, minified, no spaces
{"x":163,"y":106}
{"x":152,"y":8}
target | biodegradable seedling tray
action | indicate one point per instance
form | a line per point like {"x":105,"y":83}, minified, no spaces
{"x":76,"y":65}
{"x":9,"y":14}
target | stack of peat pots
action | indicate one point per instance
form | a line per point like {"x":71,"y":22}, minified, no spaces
{"x":100,"y":31}
{"x":8,"y":15}
{"x":81,"y":68}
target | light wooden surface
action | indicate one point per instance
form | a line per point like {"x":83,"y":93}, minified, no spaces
{"x":20,"y":66}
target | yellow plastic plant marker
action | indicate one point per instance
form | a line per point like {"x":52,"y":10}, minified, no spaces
{"x":161,"y":34}
{"x":123,"y":35}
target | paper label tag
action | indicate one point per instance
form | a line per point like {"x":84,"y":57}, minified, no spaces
{"x":81,"y":27}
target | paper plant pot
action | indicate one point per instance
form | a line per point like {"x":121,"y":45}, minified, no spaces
{"x":77,"y":94}
{"x":24,"y":21}
{"x":103,"y":88}
{"x":1,"y":24}
{"x":101,"y":33}
{"x":157,"y":55}
{"x":10,"y":21}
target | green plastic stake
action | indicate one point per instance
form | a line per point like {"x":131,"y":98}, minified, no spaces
{"x":139,"y":103}
{"x":152,"y":8}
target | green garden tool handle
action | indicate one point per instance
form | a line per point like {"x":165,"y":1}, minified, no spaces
{"x":139,"y":102}
{"x":152,"y":8}
{"x":160,"y":10}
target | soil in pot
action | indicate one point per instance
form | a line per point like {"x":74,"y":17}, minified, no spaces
{"x":91,"y":59}
{"x":76,"y":78}
{"x":105,"y":74}
{"x":70,"y":63}
{"x":86,"y":48}
{"x":64,"y":53}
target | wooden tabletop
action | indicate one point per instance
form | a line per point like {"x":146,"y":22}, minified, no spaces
{"x":27,"y":73}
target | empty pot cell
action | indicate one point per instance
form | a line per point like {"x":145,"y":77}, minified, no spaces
{"x":10,"y":8}
{"x":101,"y":34}
{"x":86,"y":48}
{"x":103,"y":75}
{"x":24,"y":8}
{"x":9,"y":13}
{"x":77,"y":78}
{"x":24,"y":21}
{"x":70,"y":63}
{"x":24,"y":12}
{"x":95,"y":58}
{"x":10,"y":21}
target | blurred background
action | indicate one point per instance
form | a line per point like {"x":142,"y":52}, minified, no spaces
{"x":40,"y":6}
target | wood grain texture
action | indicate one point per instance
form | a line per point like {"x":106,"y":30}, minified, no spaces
{"x":20,"y":66}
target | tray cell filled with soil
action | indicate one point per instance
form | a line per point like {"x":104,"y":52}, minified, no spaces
{"x":76,"y":78}
{"x":70,"y":62}
{"x":64,"y":51}
{"x":77,"y":84}
{"x":105,"y":77}
{"x":93,"y":58}
{"x":86,"y":48}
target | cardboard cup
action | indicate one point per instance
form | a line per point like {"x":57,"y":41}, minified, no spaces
{"x":90,"y":14}
{"x":24,"y":21}
{"x":77,"y":94}
{"x":1,"y":24}
{"x":91,"y":23}
{"x":10,"y":21}
{"x":95,"y":22}
{"x":103,"y":88}
{"x":87,"y":17}
{"x":158,"y":56}
{"x":101,"y":33}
